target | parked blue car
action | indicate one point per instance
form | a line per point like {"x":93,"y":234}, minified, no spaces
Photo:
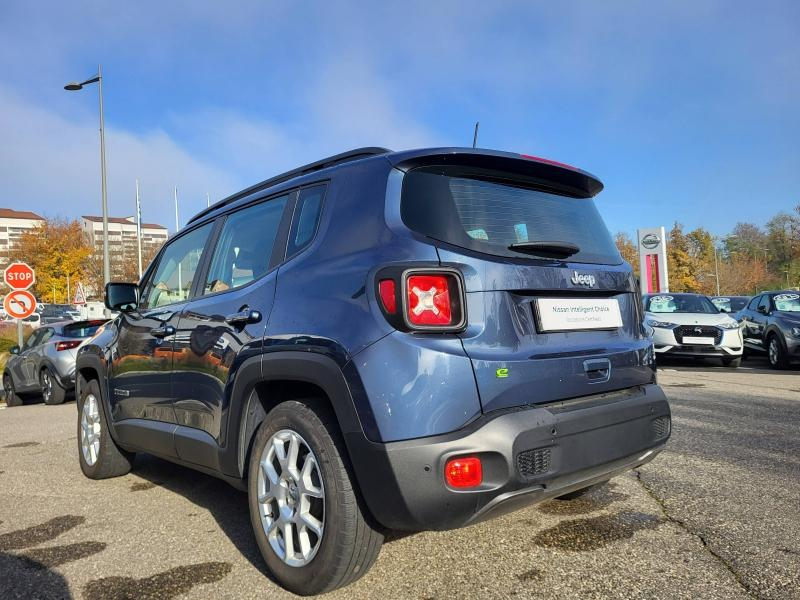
{"x":381,"y":341}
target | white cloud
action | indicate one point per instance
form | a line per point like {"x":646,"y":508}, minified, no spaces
{"x":51,"y":164}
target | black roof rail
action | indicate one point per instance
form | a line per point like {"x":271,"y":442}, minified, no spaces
{"x":324,"y":163}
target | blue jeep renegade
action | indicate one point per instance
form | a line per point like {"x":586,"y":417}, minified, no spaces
{"x":381,"y":341}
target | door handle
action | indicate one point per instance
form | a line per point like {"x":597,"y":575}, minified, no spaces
{"x":243,"y":317}
{"x":163,"y":331}
{"x":598,"y":370}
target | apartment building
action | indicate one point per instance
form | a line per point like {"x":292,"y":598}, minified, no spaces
{"x":122,"y":236}
{"x":12,"y":225}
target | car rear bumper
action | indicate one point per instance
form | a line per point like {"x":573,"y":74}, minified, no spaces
{"x":528,"y":456}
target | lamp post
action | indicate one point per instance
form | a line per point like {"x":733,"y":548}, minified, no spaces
{"x":72,"y":87}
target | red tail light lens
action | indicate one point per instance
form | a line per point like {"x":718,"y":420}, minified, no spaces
{"x":68,"y":345}
{"x":388,"y":293}
{"x":464,"y":472}
{"x":429,"y":300}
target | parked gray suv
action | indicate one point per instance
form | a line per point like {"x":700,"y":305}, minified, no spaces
{"x":46,"y":363}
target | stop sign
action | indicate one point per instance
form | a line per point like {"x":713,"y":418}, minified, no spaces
{"x":19,"y":276}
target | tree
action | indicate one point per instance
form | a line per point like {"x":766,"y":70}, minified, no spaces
{"x":57,"y":250}
{"x":681,"y":266}
{"x":628,"y":250}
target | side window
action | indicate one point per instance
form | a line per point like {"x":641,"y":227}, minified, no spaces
{"x":753,"y":303}
{"x":172,"y":279}
{"x":764,"y":303}
{"x":33,"y":339}
{"x":245,"y":245}
{"x":46,"y":335}
{"x":306,"y":218}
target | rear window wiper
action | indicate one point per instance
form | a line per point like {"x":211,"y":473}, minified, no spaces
{"x":546,"y":249}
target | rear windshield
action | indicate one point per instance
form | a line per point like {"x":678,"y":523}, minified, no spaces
{"x":679,"y":303}
{"x":488,"y":213}
{"x":81,"y":329}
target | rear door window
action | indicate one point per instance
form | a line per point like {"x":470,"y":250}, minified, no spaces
{"x":245,"y":245}
{"x":488,"y":212}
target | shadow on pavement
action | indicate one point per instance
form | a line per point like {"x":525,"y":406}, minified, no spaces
{"x":26,"y":578}
{"x":226,"y":504}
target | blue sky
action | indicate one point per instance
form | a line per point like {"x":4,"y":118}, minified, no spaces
{"x":687,"y":111}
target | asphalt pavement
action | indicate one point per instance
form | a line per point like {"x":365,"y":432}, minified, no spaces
{"x":717,"y":515}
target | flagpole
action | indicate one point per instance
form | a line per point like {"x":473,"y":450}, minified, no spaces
{"x":139,"y":227}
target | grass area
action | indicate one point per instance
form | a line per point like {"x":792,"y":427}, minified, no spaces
{"x":8,"y":338}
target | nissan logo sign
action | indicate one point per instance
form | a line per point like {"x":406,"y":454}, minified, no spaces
{"x":651,"y":241}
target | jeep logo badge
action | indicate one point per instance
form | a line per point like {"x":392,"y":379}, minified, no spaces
{"x":579,"y":279}
{"x":650,"y":241}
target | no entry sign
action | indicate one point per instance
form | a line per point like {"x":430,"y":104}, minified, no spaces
{"x":19,"y":304}
{"x":19,"y":276}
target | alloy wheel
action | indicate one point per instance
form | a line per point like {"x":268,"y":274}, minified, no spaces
{"x":291,"y":498}
{"x":90,"y":429}
{"x":47,"y":386}
{"x":773,"y":351}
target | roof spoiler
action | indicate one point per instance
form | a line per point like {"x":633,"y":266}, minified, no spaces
{"x":538,"y":170}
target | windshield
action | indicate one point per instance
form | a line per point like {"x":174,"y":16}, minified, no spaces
{"x":488,"y":212}
{"x":679,"y":303}
{"x":787,"y":302}
{"x":729,"y":304}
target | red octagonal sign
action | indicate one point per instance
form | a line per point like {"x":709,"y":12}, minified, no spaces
{"x":19,"y":276}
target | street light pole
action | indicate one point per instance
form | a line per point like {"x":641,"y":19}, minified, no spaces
{"x":106,"y":260}
{"x":74,"y":86}
{"x":716,"y":267}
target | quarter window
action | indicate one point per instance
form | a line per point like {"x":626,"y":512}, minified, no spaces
{"x":173,"y":277}
{"x":245,"y":245}
{"x":309,"y":207}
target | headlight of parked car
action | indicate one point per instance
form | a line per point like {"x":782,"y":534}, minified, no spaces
{"x":661,"y":324}
{"x":729,"y":325}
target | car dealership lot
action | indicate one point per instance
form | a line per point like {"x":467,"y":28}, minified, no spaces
{"x":715,"y":516}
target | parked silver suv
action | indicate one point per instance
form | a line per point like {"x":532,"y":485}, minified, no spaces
{"x":46,"y":363}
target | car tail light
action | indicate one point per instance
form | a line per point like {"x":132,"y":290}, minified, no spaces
{"x":388,"y":293}
{"x":68,"y":345}
{"x":433,"y":300}
{"x":464,"y":472}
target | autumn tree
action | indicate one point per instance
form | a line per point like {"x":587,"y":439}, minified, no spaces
{"x":57,"y":250}
{"x":681,"y":266}
{"x":628,"y":250}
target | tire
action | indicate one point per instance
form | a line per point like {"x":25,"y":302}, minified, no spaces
{"x":98,"y":454}
{"x":52,"y":392}
{"x":775,"y":353}
{"x":12,"y":398}
{"x":349,"y":542}
{"x":733,"y":363}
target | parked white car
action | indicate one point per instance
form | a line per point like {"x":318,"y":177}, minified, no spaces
{"x":690,"y":325}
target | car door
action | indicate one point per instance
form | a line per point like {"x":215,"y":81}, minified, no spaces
{"x":758,"y":322}
{"x":22,"y":369}
{"x":225,"y":324}
{"x":35,"y":355}
{"x":142,"y":356}
{"x":746,"y":319}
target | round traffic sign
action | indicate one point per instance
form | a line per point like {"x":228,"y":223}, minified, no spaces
{"x":19,"y":304}
{"x":19,"y":276}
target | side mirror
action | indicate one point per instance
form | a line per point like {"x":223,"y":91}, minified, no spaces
{"x":122,"y":296}
{"x":763,"y":310}
{"x":14,"y":349}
